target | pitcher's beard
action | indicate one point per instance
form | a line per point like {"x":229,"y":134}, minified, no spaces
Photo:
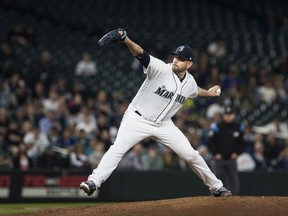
{"x":177,"y":70}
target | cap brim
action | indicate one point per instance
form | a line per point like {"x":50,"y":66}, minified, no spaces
{"x":228,"y":113}
{"x":175,"y":53}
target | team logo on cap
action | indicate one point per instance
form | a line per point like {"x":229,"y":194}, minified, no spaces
{"x":181,"y":48}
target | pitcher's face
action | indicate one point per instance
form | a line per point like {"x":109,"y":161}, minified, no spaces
{"x":180,"y":65}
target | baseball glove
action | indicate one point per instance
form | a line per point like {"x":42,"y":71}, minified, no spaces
{"x":113,"y":37}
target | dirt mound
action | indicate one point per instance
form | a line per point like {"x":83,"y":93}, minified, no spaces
{"x":198,"y":206}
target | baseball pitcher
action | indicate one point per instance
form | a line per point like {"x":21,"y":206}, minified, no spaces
{"x":164,"y":91}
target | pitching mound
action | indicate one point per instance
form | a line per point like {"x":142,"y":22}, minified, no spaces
{"x":197,"y":206}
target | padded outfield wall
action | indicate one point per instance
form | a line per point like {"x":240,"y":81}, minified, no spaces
{"x":47,"y":186}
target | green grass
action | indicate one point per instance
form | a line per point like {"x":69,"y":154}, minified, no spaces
{"x":13,"y":208}
{"x":13,"y":211}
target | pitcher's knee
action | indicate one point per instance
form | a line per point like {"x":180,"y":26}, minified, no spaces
{"x":192,"y":156}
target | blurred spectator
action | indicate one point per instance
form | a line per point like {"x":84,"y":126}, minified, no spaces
{"x":102,"y":103}
{"x":33,"y":114}
{"x":82,"y":139}
{"x":284,"y":25}
{"x":30,"y":36}
{"x":54,"y":136}
{"x":245,"y":162}
{"x":135,"y":159}
{"x":206,"y":154}
{"x":118,"y":114}
{"x":118,"y":98}
{"x":154,"y":159}
{"x":282,"y":67}
{"x":102,"y":122}
{"x":200,"y":71}
{"x":20,"y":116}
{"x":87,"y":125}
{"x":21,"y":160}
{"x":250,"y":138}
{"x":272,"y":150}
{"x":215,"y":110}
{"x":214,"y":77}
{"x":67,"y":141}
{"x":283,"y":159}
{"x":60,"y":85}
{"x":8,"y":60}
{"x":4,"y":95}
{"x":217,"y":48}
{"x":252,"y":77}
{"x":249,"y":90}
{"x":97,"y":154}
{"x":86,"y":67}
{"x":90,"y":102}
{"x":49,"y":121}
{"x":36,"y":143}
{"x":22,"y":93}
{"x":12,"y":100}
{"x":39,"y":92}
{"x":232,"y":98}
{"x":62,"y":113}
{"x":74,"y":104}
{"x":78,"y":88}
{"x":78,"y":159}
{"x":52,"y":102}
{"x":43,"y":70}
{"x":259,"y":157}
{"x":14,"y":82}
{"x":4,"y":120}
{"x":179,"y":121}
{"x":233,"y":80}
{"x":5,"y":160}
{"x":2,"y":142}
{"x":278,"y":83}
{"x":267,"y":92}
{"x":85,"y":113}
{"x":170,"y":160}
{"x":17,"y":35}
{"x":13,"y":136}
{"x":104,"y":136}
{"x":194,"y":134}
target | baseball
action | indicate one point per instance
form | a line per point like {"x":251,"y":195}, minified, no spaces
{"x":218,"y":91}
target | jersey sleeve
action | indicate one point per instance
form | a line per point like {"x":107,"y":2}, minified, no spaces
{"x":144,"y":59}
{"x":194,"y":92}
{"x":155,"y":68}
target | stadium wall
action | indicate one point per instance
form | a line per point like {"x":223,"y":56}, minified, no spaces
{"x":39,"y":186}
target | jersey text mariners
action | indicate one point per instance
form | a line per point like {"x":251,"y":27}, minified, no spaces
{"x":162,"y":93}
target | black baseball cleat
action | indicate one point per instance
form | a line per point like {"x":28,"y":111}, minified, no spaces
{"x":88,"y":187}
{"x":222,"y":192}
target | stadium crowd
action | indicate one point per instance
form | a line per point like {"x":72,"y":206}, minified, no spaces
{"x":48,"y":123}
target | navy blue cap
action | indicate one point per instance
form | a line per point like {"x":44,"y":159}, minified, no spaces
{"x":229,"y":110}
{"x":184,"y":52}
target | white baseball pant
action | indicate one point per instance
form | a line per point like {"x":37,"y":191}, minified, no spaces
{"x":135,"y":128}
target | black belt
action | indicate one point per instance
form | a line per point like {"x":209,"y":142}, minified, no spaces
{"x":138,"y":113}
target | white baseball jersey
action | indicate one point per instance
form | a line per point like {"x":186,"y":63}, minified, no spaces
{"x":162,"y":94}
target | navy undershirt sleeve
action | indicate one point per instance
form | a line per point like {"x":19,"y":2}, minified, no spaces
{"x":144,"y":59}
